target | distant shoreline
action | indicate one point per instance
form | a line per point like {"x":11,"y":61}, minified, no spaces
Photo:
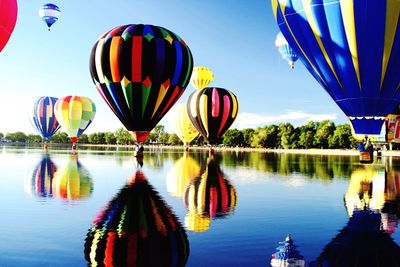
{"x":311,"y":151}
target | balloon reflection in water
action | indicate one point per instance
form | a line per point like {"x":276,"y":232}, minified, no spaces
{"x":361,"y":243}
{"x":180,"y":175}
{"x":287,"y":255}
{"x":376,"y":190}
{"x":208,"y":196}
{"x":40,"y":180}
{"x":73,"y":181}
{"x":137,"y":228}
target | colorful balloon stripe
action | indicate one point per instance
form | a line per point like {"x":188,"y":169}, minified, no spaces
{"x":43,"y":117}
{"x":212,"y":111}
{"x":140,"y":71}
{"x":359,"y":68}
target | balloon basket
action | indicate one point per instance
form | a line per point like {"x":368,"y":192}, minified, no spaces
{"x":366,"y":157}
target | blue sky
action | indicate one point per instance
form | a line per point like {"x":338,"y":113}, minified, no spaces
{"x":234,"y":38}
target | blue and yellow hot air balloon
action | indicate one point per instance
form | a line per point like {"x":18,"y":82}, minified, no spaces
{"x":43,"y":117}
{"x":351,"y":47}
{"x":49,"y":13}
{"x":285,"y":50}
{"x":40,"y":181}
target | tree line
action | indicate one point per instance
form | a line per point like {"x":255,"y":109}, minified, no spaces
{"x":324,"y":134}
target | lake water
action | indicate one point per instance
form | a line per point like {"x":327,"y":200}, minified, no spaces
{"x":102,"y":208}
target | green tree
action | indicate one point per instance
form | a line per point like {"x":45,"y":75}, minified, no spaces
{"x":34,"y":138}
{"x":154,"y":136}
{"x":110,"y":138}
{"x":233,"y":137}
{"x":17,"y":137}
{"x":286,"y":134}
{"x":266,"y":137}
{"x":163,"y":138}
{"x":307,"y":133}
{"x":342,"y":137}
{"x":174,"y":140}
{"x":83,"y":139}
{"x":325,"y":130}
{"x":60,"y":137}
{"x":247,"y":136}
{"x":123,"y":137}
{"x":1,"y":135}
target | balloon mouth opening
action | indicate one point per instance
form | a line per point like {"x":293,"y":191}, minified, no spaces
{"x":367,"y":126}
{"x":139,"y":136}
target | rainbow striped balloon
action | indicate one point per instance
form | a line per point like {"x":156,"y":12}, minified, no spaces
{"x":43,"y":117}
{"x":140,"y":71}
{"x":75,"y":114}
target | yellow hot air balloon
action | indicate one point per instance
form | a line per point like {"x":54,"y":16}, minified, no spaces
{"x":181,"y":124}
{"x":73,"y":181}
{"x":181,"y":174}
{"x":197,"y":223}
{"x":366,"y":190}
{"x":75,"y":114}
{"x":201,"y":77}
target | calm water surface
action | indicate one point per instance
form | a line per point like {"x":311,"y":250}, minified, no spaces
{"x":230,"y":210}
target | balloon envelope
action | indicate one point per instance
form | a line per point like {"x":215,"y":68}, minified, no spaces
{"x":75,"y":114}
{"x":140,"y":71}
{"x":137,"y":228}
{"x":43,"y":117}
{"x":40,"y":180}
{"x":352,"y":49}
{"x":181,"y":124}
{"x":49,"y":13}
{"x":285,"y":50}
{"x":212,"y":111}
{"x":8,"y":18}
{"x":201,"y":77}
{"x":73,"y":181}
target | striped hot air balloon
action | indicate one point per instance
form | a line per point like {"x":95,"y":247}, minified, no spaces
{"x":209,"y":195}
{"x":49,"y":13}
{"x":43,"y":117}
{"x":212,"y":111}
{"x":140,"y":71}
{"x":201,"y":77}
{"x":72,"y":181}
{"x":351,"y":47}
{"x":137,"y":228}
{"x":181,"y":124}
{"x":75,"y":114}
{"x":40,"y":181}
{"x":285,"y":50}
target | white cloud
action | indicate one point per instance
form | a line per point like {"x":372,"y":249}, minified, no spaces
{"x":252,"y":120}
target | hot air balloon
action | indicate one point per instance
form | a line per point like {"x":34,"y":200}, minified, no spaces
{"x":352,"y":49}
{"x":43,"y":117}
{"x":201,"y":77}
{"x":8,"y":18}
{"x":209,"y":195}
{"x":181,"y":174}
{"x":75,"y":114}
{"x":40,"y":180}
{"x":73,"y":181}
{"x":287,"y":255}
{"x":49,"y":13}
{"x":285,"y":50}
{"x":181,"y":124}
{"x":140,"y":71}
{"x":361,"y":243}
{"x":212,"y":111}
{"x":137,"y":228}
